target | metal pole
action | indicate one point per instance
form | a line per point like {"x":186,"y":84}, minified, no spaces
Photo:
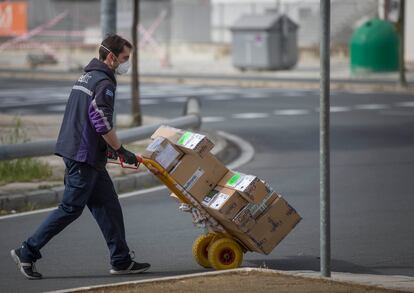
{"x":401,"y":31}
{"x":135,"y":97}
{"x":108,"y":26}
{"x":108,"y":17}
{"x":325,"y":240}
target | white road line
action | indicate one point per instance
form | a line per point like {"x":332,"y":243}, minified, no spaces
{"x":212,"y":119}
{"x":359,"y":91}
{"x":253,"y":96}
{"x":250,"y":115}
{"x":371,"y":107}
{"x":220,"y":98}
{"x":177,"y":100}
{"x":337,"y":109}
{"x":149,"y":102}
{"x":292,"y":94}
{"x":246,"y":149}
{"x":291,"y":112}
{"x":405,"y":104}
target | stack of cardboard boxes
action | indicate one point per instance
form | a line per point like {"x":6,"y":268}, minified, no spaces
{"x":243,"y":204}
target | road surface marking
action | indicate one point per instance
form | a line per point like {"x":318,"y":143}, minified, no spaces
{"x":292,"y":94}
{"x":148,"y":102}
{"x":405,"y":104}
{"x":250,"y":115}
{"x":337,"y":109}
{"x":220,"y":98}
{"x":253,"y":96}
{"x":177,"y":100}
{"x":371,"y":107}
{"x":291,"y":112}
{"x":212,"y":119}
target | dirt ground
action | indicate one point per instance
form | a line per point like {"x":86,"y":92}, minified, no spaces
{"x":262,"y":282}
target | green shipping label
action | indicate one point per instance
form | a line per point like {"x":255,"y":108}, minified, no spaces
{"x":184,"y":138}
{"x":233,"y":180}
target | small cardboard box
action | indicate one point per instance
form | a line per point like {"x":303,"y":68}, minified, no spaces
{"x":249,"y":186}
{"x":171,"y":133}
{"x":198,"y":175}
{"x":223,"y":203}
{"x":163,"y":152}
{"x":189,"y":142}
{"x":273,"y":225}
{"x":193,"y":142}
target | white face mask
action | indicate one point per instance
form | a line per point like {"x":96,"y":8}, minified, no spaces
{"x":123,"y":68}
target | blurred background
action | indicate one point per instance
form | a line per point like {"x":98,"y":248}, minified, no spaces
{"x":176,"y":34}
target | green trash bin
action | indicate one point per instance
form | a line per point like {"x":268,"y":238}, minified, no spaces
{"x":374,"y":47}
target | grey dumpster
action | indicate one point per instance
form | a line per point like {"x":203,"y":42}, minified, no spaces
{"x":267,"y":41}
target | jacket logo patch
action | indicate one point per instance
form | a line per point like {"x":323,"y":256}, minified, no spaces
{"x":85,"y":78}
{"x":109,"y":93}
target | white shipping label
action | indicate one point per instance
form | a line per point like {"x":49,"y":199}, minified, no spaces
{"x":167,"y":156}
{"x":209,"y":198}
{"x":194,"y":140}
{"x":219,"y":200}
{"x":193,"y":179}
{"x":155,"y":144}
{"x":244,"y":182}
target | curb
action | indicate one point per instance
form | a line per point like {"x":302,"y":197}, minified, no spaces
{"x":388,"y":282}
{"x":143,"y":180}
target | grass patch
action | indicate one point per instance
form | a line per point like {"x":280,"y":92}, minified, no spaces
{"x":23,"y":169}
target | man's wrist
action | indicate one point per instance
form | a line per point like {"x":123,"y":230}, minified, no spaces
{"x":119,"y":148}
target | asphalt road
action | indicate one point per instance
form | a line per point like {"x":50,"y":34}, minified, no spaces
{"x":372,"y":165}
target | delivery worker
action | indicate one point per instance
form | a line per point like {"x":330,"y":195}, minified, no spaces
{"x":86,"y":134}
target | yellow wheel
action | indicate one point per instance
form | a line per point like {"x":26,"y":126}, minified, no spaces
{"x":200,"y":249}
{"x":224,"y":254}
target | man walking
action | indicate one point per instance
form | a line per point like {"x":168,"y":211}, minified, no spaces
{"x":86,"y":135}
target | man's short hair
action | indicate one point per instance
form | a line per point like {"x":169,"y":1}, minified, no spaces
{"x":115,"y":44}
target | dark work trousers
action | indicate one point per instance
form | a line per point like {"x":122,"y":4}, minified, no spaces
{"x":84,"y":185}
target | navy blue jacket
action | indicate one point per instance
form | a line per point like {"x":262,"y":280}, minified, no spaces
{"x":88,"y":115}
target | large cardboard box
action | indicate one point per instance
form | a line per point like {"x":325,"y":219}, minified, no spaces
{"x":198,"y":175}
{"x":273,"y":225}
{"x":223,"y":203}
{"x":261,"y":233}
{"x":249,"y":186}
{"x":189,"y":142}
{"x":245,"y":220}
{"x":256,"y":209}
{"x":163,"y":152}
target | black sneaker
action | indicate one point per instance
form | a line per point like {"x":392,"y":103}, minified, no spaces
{"x":133,"y":268}
{"x":28,"y":269}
